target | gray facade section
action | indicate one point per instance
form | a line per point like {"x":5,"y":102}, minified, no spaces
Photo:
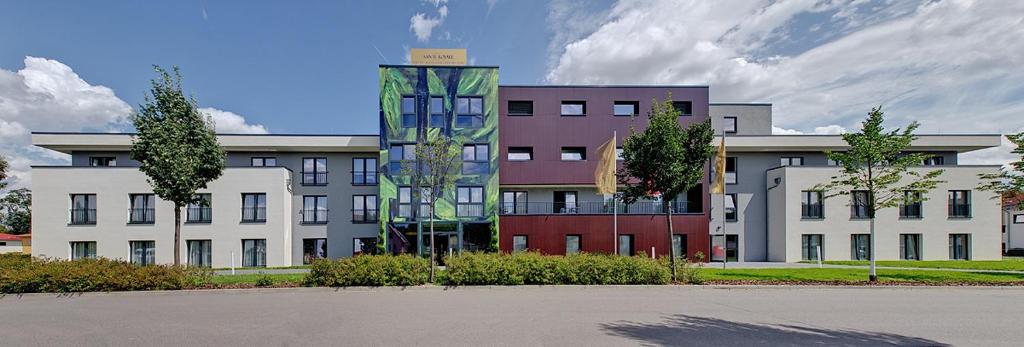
{"x":751,"y":119}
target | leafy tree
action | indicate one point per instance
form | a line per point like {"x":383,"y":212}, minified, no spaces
{"x":3,"y":172}
{"x":877,"y":162}
{"x":665,"y":159}
{"x":16,"y":208}
{"x":1008,"y":182}
{"x":434,"y":172}
{"x":176,"y":146}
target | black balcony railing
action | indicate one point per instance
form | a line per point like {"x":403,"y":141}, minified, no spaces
{"x":364,"y":216}
{"x":83,"y":216}
{"x":812,"y":211}
{"x":368,"y":178}
{"x":141,"y":215}
{"x":318,"y":178}
{"x":597,"y":207}
{"x":314,"y":216}
{"x":198,"y":214}
{"x":910,"y":211}
{"x":959,"y":210}
{"x":254,"y":214}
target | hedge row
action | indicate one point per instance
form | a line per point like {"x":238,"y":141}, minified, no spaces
{"x":369,"y":270}
{"x":533,"y":268}
{"x":22,"y":274}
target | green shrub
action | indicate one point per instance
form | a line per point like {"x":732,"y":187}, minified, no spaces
{"x":264,"y":280}
{"x":26,"y":275}
{"x":369,"y":270}
{"x":690,"y":271}
{"x":533,"y":268}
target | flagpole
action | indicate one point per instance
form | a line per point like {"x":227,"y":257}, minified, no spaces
{"x":615,"y":203}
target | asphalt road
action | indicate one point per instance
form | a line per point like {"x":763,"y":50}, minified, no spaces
{"x":552,"y":316}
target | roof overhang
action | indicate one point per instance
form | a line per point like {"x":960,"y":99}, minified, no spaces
{"x":818,"y":143}
{"x":100,"y":142}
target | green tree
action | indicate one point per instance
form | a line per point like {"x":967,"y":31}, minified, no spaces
{"x":665,"y":159}
{"x":432,"y":173}
{"x":175,"y":145}
{"x":1008,"y":182}
{"x":877,"y":162}
{"x":3,"y":172}
{"x":16,"y":207}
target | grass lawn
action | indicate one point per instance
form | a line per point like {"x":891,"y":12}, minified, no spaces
{"x":1015,"y":264}
{"x":265,"y":268}
{"x":857,"y":275}
{"x":228,"y":280}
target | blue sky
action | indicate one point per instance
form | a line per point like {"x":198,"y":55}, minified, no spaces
{"x":310,"y":66}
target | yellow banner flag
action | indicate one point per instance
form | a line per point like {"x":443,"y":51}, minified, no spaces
{"x":718,"y":186}
{"x":604,"y":175}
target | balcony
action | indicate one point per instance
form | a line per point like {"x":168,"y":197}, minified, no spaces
{"x":597,"y":207}
{"x":318,"y":178}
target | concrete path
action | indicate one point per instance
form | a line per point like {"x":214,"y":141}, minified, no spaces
{"x":771,"y":265}
{"x":526,"y":315}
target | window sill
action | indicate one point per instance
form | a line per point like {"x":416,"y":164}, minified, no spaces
{"x":959,"y":217}
{"x":314,"y":184}
{"x":364,"y":222}
{"x":82,"y":224}
{"x":812,"y":219}
{"x":313,"y":223}
{"x":253,"y":222}
{"x":574,"y":115}
{"x":141,"y":223}
{"x":519,"y":115}
{"x":198,"y":221}
{"x":911,"y":217}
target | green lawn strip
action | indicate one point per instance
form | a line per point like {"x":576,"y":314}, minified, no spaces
{"x":265,"y":268}
{"x":1006,"y":264}
{"x":858,"y":275}
{"x":227,"y":280}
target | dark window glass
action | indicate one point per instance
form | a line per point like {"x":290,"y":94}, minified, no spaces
{"x":911,"y":206}
{"x":408,"y":112}
{"x":83,"y":208}
{"x":812,"y":205}
{"x":364,"y":171}
{"x":520,"y":108}
{"x":959,"y":203}
{"x":730,"y":170}
{"x":470,"y":201}
{"x":254,"y":207}
{"x":201,"y":210}
{"x":626,"y":245}
{"x":314,"y":171}
{"x":959,"y":247}
{"x":364,"y":245}
{"x":143,"y":208}
{"x":200,"y":253}
{"x":314,"y":209}
{"x":254,"y":253}
{"x":910,"y":246}
{"x":679,"y":245}
{"x":83,"y":250}
{"x":102,"y":161}
{"x":811,"y":247}
{"x":143,"y":252}
{"x":685,"y":108}
{"x":514,"y":202}
{"x":469,"y":112}
{"x":626,"y":108}
{"x":566,"y":202}
{"x":934,"y":161}
{"x":859,"y":204}
{"x":574,"y":153}
{"x":364,"y":208}
{"x":476,"y":159}
{"x":436,"y":112}
{"x":860,"y":247}
{"x":313,"y":249}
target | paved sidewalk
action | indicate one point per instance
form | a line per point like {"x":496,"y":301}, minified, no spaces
{"x":774,"y":265}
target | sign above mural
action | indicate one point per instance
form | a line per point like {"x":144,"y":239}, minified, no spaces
{"x":436,"y":56}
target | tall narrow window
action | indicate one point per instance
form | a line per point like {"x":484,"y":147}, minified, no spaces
{"x":574,"y":153}
{"x":437,"y":112}
{"x":626,"y":108}
{"x":83,"y":208}
{"x":574,"y":108}
{"x":520,"y":153}
{"x":679,"y":245}
{"x":514,"y":202}
{"x":573,"y":244}
{"x":314,"y":209}
{"x":812,"y":207}
{"x":520,"y":243}
{"x":102,"y":161}
{"x":811,"y":247}
{"x":470,"y":112}
{"x":860,"y":247}
{"x":364,"y":208}
{"x":143,"y":208}
{"x":313,"y":249}
{"x":959,"y":203}
{"x":911,"y":205}
{"x":910,"y":246}
{"x":565,"y":202}
{"x":476,"y":159}
{"x":626,"y":245}
{"x":792,"y":161}
{"x":959,"y":247}
{"x":520,"y":108}
{"x":254,"y":253}
{"x":263,"y":161}
{"x":408,"y":111}
{"x":730,"y":170}
{"x":364,"y":171}
{"x":254,"y":207}
{"x":200,"y":253}
{"x":730,"y":207}
{"x":314,"y":171}
{"x":859,"y":204}
{"x":200,"y":210}
{"x":405,"y":202}
{"x":143,"y":252}
{"x":470,"y":201}
{"x":83,"y":250}
{"x":729,"y":125}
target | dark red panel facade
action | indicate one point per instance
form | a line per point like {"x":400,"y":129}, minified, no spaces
{"x":547,"y":233}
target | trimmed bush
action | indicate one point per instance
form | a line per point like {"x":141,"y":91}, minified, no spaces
{"x":533,"y":268}
{"x":369,"y":270}
{"x":22,"y":274}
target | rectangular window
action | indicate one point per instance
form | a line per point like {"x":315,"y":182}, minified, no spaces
{"x":729,"y":125}
{"x":574,"y":108}
{"x":574,"y":153}
{"x":959,"y":203}
{"x":812,"y":205}
{"x":573,"y":244}
{"x":364,"y":208}
{"x":626,"y":245}
{"x":1018,"y":219}
{"x":566,"y":202}
{"x":476,"y":159}
{"x":143,"y":208}
{"x":911,"y":206}
{"x":470,"y":201}
{"x":314,"y":171}
{"x":959,"y":247}
{"x":514,"y":202}
{"x":405,"y":202}
{"x":730,"y":207}
{"x":520,"y":108}
{"x":618,"y":153}
{"x":313,"y":249}
{"x":83,"y":208}
{"x":254,"y":253}
{"x":860,"y":247}
{"x":730,"y":170}
{"x":400,"y":153}
{"x":679,"y":245}
{"x":626,"y":108}
{"x":102,"y":161}
{"x":520,"y":243}
{"x":729,"y":244}
{"x":910,"y":246}
{"x":811,"y":247}
{"x":83,"y":250}
{"x":934,"y":161}
{"x":263,"y":161}
{"x":693,"y":201}
{"x":685,"y":108}
{"x":408,"y":112}
{"x":364,"y":245}
{"x":314,"y":209}
{"x":254,"y":207}
{"x":200,"y":253}
{"x":792,"y":161}
{"x":437,"y":112}
{"x":201,"y":210}
{"x":364,"y":171}
{"x":859,"y":204}
{"x":425,"y":203}
{"x":520,"y":153}
{"x":470,"y":112}
{"x":143,"y":252}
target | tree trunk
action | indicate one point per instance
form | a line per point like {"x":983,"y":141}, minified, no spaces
{"x":671,"y":250}
{"x":872,"y":276}
{"x":177,"y":234}
{"x":433,"y":262}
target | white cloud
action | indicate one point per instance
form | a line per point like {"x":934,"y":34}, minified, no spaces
{"x":230,"y":123}
{"x":825,"y":130}
{"x":951,"y":65}
{"x":423,"y":25}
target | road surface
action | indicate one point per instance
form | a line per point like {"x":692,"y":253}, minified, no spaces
{"x":528,"y":315}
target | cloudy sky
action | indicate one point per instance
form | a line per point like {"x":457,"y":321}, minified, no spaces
{"x":259,"y":66}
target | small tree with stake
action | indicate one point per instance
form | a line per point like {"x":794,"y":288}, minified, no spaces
{"x":877,"y":162}
{"x":433,"y":172}
{"x":665,"y":159}
{"x":176,"y":146}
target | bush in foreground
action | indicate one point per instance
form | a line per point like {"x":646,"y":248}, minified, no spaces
{"x":22,"y":274}
{"x":369,"y":270}
{"x":533,"y":268}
